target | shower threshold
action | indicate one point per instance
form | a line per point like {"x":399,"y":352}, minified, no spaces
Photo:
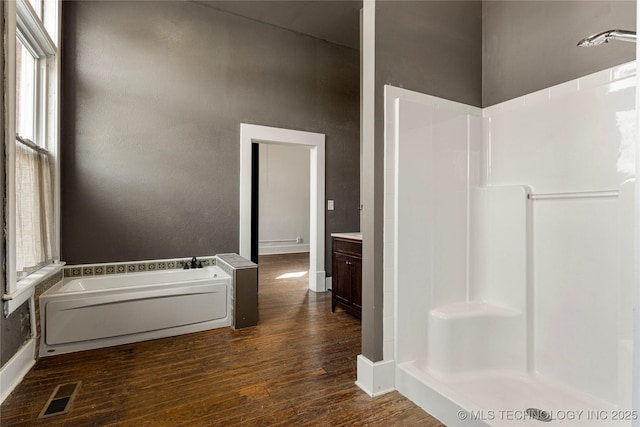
{"x":502,"y":398}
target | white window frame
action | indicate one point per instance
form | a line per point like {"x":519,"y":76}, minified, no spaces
{"x":20,"y":14}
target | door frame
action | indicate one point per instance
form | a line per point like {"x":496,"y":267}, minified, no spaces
{"x":250,"y":134}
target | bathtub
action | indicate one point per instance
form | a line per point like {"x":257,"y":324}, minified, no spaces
{"x":101,"y":311}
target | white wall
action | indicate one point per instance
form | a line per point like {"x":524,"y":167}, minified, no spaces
{"x":427,"y":186}
{"x":575,"y":137}
{"x":284,"y":198}
{"x":562,"y":265}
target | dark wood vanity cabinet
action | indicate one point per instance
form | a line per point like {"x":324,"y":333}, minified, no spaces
{"x":346,"y":288}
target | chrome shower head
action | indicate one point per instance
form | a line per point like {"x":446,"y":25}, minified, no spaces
{"x":605,"y":36}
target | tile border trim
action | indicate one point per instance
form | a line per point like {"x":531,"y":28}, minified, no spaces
{"x":84,"y":270}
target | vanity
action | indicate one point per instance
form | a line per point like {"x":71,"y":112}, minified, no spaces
{"x":346,"y":261}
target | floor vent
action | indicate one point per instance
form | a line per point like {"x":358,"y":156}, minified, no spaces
{"x":538,"y":414}
{"x":61,"y":399}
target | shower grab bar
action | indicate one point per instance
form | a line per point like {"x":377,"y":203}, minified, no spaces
{"x":575,"y":195}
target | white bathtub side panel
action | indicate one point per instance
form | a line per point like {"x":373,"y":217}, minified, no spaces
{"x":46,"y":350}
{"x":92,"y":318}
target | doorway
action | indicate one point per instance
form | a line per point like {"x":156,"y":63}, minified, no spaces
{"x":250,"y":137}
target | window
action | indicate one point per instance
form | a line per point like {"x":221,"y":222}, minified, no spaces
{"x":34,"y":208}
{"x":25,"y":91}
{"x":34,"y":193}
{"x":31,"y":71}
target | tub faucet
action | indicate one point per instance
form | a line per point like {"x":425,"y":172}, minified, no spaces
{"x":194,"y":262}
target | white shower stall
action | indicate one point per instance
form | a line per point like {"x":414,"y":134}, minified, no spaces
{"x":509,"y":253}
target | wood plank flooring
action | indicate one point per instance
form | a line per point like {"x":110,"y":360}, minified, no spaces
{"x":297,"y":367}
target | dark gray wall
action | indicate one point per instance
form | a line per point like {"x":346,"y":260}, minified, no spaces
{"x":330,"y":20}
{"x":433,"y":47}
{"x":531,"y":45}
{"x":154,"y":94}
{"x":16,"y":329}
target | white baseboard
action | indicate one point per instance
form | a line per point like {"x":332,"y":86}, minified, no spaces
{"x":284,"y":249}
{"x":318,"y":283}
{"x":376,"y":378}
{"x":328,"y":284}
{"x":12,"y":373}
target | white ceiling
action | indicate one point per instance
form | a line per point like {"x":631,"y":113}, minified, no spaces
{"x":334,"y":21}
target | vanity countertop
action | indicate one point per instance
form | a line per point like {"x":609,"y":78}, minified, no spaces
{"x":351,"y":236}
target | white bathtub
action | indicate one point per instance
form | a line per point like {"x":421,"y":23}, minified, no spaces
{"x":101,"y":311}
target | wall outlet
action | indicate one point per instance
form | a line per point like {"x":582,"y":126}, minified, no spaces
{"x":330,"y":205}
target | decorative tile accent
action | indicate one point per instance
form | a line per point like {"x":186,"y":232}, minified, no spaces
{"x":133,"y":267}
{"x":209,"y":261}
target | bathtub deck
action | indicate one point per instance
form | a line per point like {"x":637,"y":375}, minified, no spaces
{"x":297,"y":368}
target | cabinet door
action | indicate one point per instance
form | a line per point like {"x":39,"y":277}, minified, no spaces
{"x":342,"y":278}
{"x":356,"y":282}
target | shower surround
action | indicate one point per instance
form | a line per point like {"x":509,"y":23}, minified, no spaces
{"x":509,"y":253}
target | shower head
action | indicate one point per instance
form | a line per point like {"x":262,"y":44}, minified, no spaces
{"x":605,"y":36}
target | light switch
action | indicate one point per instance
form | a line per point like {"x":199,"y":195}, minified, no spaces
{"x":330,"y":205}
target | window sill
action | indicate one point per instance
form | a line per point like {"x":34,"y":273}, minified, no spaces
{"x":26,"y":287}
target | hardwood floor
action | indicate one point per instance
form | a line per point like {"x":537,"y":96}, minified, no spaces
{"x":297,"y":367}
